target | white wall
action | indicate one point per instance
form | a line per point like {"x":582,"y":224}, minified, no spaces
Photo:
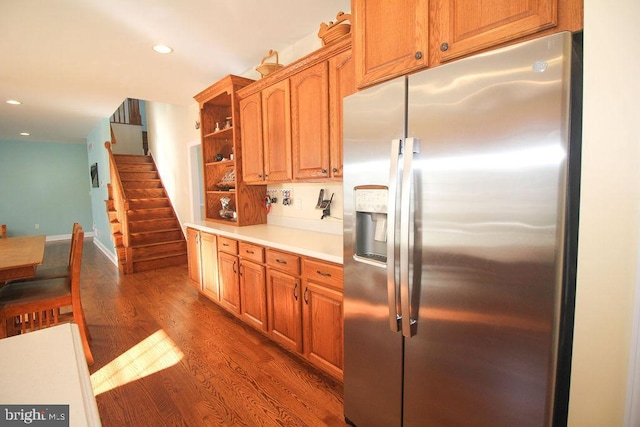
{"x":171,"y":131}
{"x":609,"y":220}
{"x":128,"y":139}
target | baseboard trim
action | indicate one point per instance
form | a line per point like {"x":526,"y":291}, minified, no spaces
{"x":106,"y":251}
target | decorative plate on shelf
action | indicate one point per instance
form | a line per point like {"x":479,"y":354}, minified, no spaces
{"x":228,"y":181}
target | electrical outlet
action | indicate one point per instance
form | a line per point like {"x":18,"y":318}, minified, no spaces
{"x":287,"y":197}
{"x":37,"y":226}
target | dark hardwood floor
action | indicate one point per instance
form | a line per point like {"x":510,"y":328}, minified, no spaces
{"x":165,"y":355}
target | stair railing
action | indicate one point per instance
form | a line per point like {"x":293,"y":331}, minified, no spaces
{"x":120,"y":201}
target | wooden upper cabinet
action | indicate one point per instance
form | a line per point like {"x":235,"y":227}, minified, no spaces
{"x":276,"y":131}
{"x":390,"y":38}
{"x":310,"y":122}
{"x":460,"y":27}
{"x":251,"y":136}
{"x":342,"y":82}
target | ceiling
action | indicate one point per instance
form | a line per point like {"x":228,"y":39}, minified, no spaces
{"x":73,"y":62}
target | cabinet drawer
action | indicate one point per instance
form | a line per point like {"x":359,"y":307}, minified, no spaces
{"x":283,"y":261}
{"x":322,"y":272}
{"x":227,"y":245}
{"x":251,"y":252}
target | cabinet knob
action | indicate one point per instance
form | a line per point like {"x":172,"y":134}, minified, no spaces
{"x":418,"y":55}
{"x":335,"y":170}
{"x":444,"y":47}
{"x":324,"y":171}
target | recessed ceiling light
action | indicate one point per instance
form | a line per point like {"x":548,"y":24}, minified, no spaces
{"x":13,"y":102}
{"x":24,"y":134}
{"x":160,"y":48}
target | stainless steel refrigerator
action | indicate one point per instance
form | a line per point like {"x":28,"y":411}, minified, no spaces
{"x":460,"y":236}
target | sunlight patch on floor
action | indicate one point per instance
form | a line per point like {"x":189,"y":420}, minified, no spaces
{"x":153,"y":354}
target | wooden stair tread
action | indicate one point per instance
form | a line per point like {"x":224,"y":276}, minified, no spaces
{"x":155,"y":238}
{"x":164,"y":230}
{"x":165,"y":242}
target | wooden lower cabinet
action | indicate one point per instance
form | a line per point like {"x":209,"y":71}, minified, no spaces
{"x":229,"y":282}
{"x":203,"y":266}
{"x":193,"y":251}
{"x":283,"y":306}
{"x":253,"y":301}
{"x":295,"y":300}
{"x":208,"y":265}
{"x":322,"y":316}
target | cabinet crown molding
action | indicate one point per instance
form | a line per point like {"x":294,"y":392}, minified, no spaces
{"x":319,"y":55}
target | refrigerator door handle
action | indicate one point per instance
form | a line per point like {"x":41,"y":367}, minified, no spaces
{"x":393,"y":291}
{"x":411,"y":146}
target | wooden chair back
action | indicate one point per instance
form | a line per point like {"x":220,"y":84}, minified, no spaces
{"x":76,"y":229}
{"x":27,"y":306}
{"x":3,"y":231}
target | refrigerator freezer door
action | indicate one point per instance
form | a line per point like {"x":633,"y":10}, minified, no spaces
{"x":373,"y":119}
{"x":489,"y":218}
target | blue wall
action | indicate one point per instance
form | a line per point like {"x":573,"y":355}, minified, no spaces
{"x":46,"y":184}
{"x":97,"y":153}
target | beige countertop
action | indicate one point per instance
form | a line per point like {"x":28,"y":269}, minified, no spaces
{"x":324,"y":246}
{"x":48,"y":367}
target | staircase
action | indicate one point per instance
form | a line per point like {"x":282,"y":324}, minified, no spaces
{"x":146,"y":231}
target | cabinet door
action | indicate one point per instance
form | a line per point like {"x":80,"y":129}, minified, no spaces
{"x":193,"y":251}
{"x":323,"y":328}
{"x":276,"y":131}
{"x":460,"y":27}
{"x":229,"y":286}
{"x":310,"y":122}
{"x":341,"y":83}
{"x":253,"y":294}
{"x":251,"y":136}
{"x":209,"y":265}
{"x":283,"y":308}
{"x":390,"y":38}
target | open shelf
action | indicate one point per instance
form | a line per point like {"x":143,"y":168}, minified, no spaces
{"x":221,"y":156}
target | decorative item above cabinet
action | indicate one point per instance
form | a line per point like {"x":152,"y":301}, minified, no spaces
{"x":333,"y":31}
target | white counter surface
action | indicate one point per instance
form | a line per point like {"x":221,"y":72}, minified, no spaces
{"x":48,"y":367}
{"x":324,"y":246}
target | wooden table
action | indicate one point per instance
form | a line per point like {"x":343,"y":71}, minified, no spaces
{"x":19,"y":256}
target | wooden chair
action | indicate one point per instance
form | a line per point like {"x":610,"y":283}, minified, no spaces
{"x":3,"y":231}
{"x":45,"y":271}
{"x":27,"y":306}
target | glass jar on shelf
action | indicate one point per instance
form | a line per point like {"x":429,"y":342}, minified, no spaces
{"x":226,"y":212}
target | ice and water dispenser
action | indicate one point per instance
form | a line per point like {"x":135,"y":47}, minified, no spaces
{"x":371,"y":224}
